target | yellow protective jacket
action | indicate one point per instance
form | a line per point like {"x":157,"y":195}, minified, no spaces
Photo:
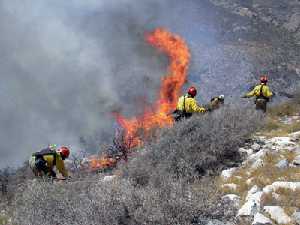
{"x":189,"y":104}
{"x":59,"y":163}
{"x":261,"y":89}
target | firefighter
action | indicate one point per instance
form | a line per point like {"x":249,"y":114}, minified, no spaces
{"x":216,"y":102}
{"x":187,"y":105}
{"x":262,"y":93}
{"x":43,"y":162}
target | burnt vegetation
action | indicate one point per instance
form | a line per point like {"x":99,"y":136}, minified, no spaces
{"x":171,"y":180}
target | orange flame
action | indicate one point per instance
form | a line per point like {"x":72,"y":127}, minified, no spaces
{"x":158,"y":115}
{"x":102,"y":162}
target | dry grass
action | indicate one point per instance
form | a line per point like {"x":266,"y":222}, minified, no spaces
{"x":265,"y":175}
{"x":274,"y":127}
{"x":278,"y":129}
{"x":289,"y":108}
{"x":287,"y":199}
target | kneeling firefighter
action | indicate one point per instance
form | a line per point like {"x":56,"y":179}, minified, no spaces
{"x":216,"y":102}
{"x":262,"y":93}
{"x":43,"y":162}
{"x":187,"y":105}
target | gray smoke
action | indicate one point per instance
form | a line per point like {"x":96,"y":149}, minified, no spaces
{"x":66,"y":65}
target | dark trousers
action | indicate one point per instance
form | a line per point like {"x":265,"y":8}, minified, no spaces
{"x":41,"y":165}
{"x":178,"y":115}
{"x":261,"y":104}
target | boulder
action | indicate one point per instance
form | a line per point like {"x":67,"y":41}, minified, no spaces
{"x":296,"y":161}
{"x":282,"y":164}
{"x":252,"y":204}
{"x":260,"y":219}
{"x":249,"y":181}
{"x":252,"y":191}
{"x":257,"y":164}
{"x":234,"y":199}
{"x":255,"y":147}
{"x":277,"y":214}
{"x":247,"y":151}
{"x":259,"y":155}
{"x":283,"y":142}
{"x":293,"y":186}
{"x":296,"y":217}
{"x":226,"y":174}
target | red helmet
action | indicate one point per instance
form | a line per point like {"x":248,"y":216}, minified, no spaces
{"x":264,"y":79}
{"x":64,"y":152}
{"x":192,"y":91}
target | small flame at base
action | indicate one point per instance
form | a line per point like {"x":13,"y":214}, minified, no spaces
{"x":102,"y":162}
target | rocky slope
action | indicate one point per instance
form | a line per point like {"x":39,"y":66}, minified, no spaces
{"x":266,"y":188}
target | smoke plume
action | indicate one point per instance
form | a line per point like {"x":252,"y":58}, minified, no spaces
{"x":66,"y":65}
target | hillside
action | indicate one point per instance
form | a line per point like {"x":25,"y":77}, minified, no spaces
{"x":232,"y":166}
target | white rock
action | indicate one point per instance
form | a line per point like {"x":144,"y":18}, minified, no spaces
{"x":275,"y":196}
{"x":278,"y":214}
{"x":249,"y":181}
{"x":226,"y":174}
{"x":252,"y":191}
{"x":282,"y":164}
{"x":255,"y":147}
{"x":252,"y":205}
{"x":296,"y":217}
{"x":248,"y":151}
{"x":235,"y":199}
{"x":254,"y":157}
{"x":296,"y":161}
{"x":297,"y":150}
{"x":293,"y":186}
{"x":260,"y":219}
{"x":257,"y":164}
{"x":109,"y":178}
{"x":232,"y":187}
{"x":282,"y":142}
{"x":231,"y":197}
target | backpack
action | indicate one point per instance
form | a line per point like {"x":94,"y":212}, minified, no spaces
{"x":261,"y":95}
{"x":180,"y":114}
{"x":39,"y":155}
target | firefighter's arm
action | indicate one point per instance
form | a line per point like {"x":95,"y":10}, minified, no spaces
{"x":60,"y":165}
{"x":267,"y":92}
{"x":250,"y":94}
{"x":196,"y":108}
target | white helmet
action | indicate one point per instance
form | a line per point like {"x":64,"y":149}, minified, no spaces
{"x":221,"y":97}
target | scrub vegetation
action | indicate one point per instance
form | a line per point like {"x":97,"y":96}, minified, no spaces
{"x":171,"y":180}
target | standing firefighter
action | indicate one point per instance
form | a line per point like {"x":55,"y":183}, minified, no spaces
{"x":43,"y":162}
{"x":262,"y":93}
{"x":187,"y":105}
